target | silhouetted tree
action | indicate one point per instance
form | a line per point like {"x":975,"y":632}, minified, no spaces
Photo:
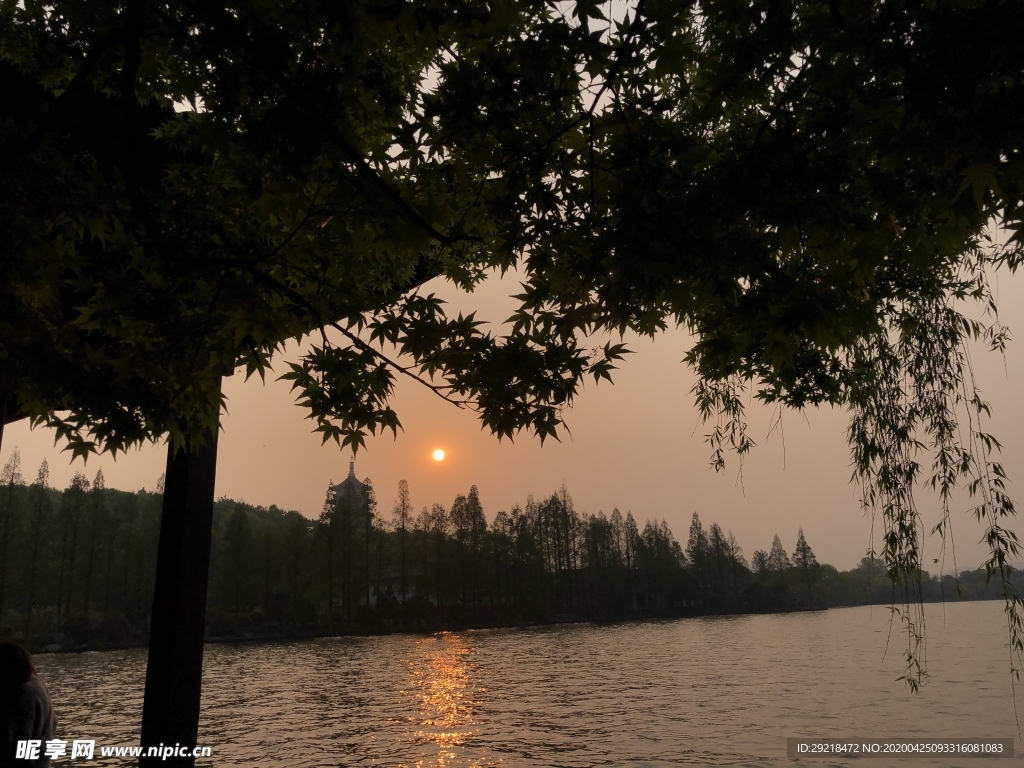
{"x":806,"y":563}
{"x":440,"y":525}
{"x":131,"y":515}
{"x":760,"y":564}
{"x":424,"y":526}
{"x":10,"y":479}
{"x":778,"y":560}
{"x":97,"y":517}
{"x":697,"y":552}
{"x":238,"y":536}
{"x":719,"y":555}
{"x":736,"y":560}
{"x":402,"y":516}
{"x":71,"y":512}
{"x":326,"y":530}
{"x":40,"y":502}
{"x":476,"y":530}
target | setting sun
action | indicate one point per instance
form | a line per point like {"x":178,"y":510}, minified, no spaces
{"x":438,"y":455}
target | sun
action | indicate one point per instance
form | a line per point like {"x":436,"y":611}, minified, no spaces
{"x":438,"y":454}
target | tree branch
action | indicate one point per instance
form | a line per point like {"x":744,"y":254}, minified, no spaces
{"x":242,"y":39}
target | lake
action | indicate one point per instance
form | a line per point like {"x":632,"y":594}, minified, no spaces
{"x":706,"y":691}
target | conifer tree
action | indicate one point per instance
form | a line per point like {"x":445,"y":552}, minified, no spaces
{"x":10,"y":479}
{"x":97,"y":518}
{"x":805,"y":561}
{"x":238,"y":536}
{"x":440,"y":526}
{"x":778,"y":560}
{"x":402,"y":516}
{"x":40,"y":502}
{"x":131,"y":516}
{"x":760,"y":564}
{"x":325,"y":528}
{"x":72,"y":505}
{"x":736,"y":560}
{"x":718,"y":551}
{"x":697,"y":552}
{"x":476,"y":524}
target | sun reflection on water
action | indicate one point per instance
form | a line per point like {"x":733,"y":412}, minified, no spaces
{"x":439,"y":673}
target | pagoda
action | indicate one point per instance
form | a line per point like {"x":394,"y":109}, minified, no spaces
{"x":351,"y":489}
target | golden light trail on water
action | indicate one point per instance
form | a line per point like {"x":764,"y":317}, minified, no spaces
{"x":440,"y":682}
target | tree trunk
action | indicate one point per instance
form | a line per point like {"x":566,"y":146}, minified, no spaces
{"x":366,"y":554}
{"x":380,"y":564}
{"x":110,"y":569}
{"x":170,"y":713}
{"x":5,"y":548}
{"x":36,"y":535}
{"x":330,"y":569}
{"x":60,"y":577}
{"x":97,"y":513}
{"x":426,"y":556}
{"x":71,"y":558}
{"x":401,"y":547}
{"x":127,"y":563}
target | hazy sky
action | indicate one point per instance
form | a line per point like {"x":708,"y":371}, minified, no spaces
{"x":637,"y":445}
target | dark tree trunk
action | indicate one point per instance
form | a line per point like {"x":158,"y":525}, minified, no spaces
{"x":60,"y":577}
{"x":330,"y":569}
{"x":366,"y":554}
{"x":133,"y":511}
{"x":380,"y":564}
{"x":98,"y":513}
{"x":401,"y":549}
{"x":426,"y":557}
{"x":36,"y":535}
{"x":110,"y":569}
{"x":5,"y":532}
{"x":170,"y":713}
{"x":127,"y":563}
{"x":71,"y":557}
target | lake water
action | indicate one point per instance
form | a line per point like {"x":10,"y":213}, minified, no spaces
{"x":711,"y":691}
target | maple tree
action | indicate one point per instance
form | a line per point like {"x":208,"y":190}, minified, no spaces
{"x":808,"y":187}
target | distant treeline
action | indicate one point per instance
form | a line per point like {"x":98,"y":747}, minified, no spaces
{"x":77,"y":566}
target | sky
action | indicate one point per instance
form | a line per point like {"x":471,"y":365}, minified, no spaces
{"x":637,"y":445}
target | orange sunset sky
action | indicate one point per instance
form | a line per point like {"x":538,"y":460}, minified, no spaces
{"x":637,"y":445}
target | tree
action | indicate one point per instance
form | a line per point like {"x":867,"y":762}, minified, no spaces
{"x":719,"y":552}
{"x":794,"y":188}
{"x":761,"y":564}
{"x":72,"y":504}
{"x":402,"y":516}
{"x":697,"y":552}
{"x":239,"y":539}
{"x":369,"y":513}
{"x":39,"y":500}
{"x":131,"y":515}
{"x":477,"y":531}
{"x":805,"y":562}
{"x":10,"y":479}
{"x":299,"y":532}
{"x":439,"y":528}
{"x":325,"y":528}
{"x":736,"y":560}
{"x":97,"y":521}
{"x":778,"y":560}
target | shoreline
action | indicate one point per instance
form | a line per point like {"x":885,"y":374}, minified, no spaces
{"x":377,"y":631}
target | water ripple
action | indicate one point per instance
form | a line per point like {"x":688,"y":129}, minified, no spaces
{"x":715,"y":691}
